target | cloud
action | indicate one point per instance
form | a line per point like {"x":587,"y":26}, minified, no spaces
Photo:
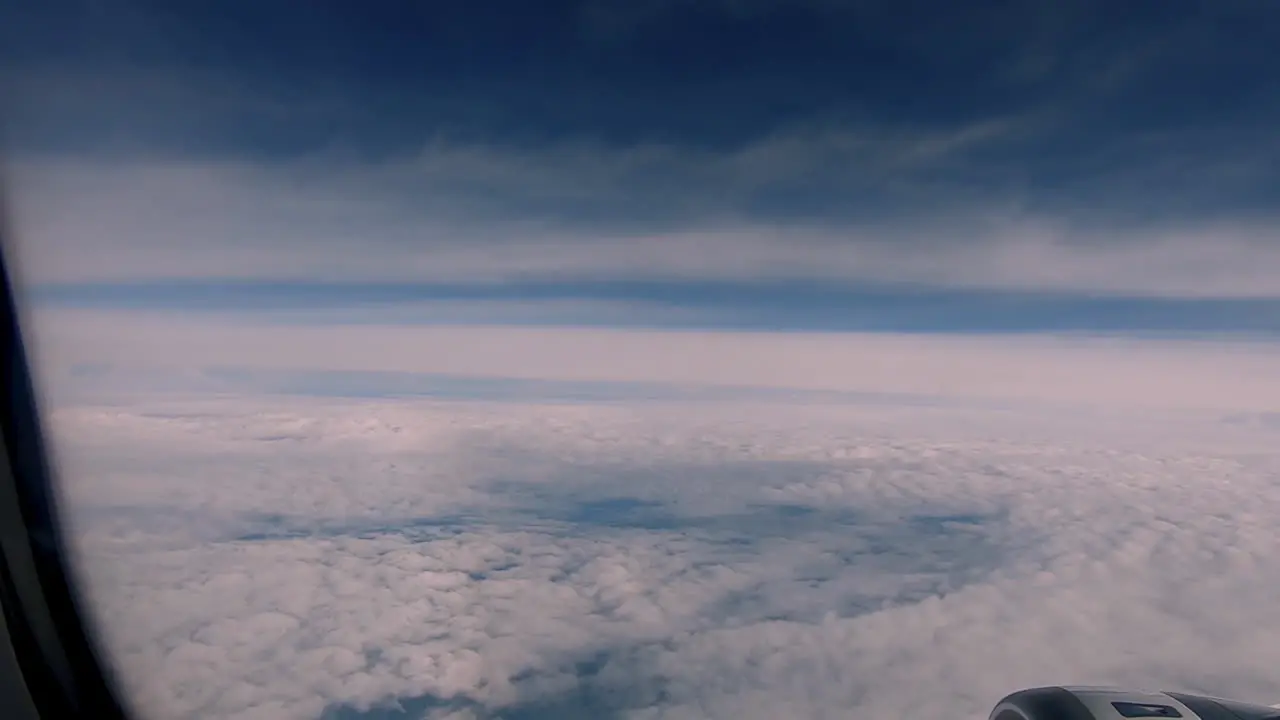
{"x":626,"y":523}
{"x":457,"y":213}
{"x":1131,"y":156}
{"x":343,"y":559}
{"x":170,"y":351}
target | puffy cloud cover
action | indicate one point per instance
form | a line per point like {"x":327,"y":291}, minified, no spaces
{"x":291,"y":557}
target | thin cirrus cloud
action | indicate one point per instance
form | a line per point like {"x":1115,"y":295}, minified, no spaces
{"x":486,"y":217}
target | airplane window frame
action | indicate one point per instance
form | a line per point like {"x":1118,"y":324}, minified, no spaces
{"x":58,"y":662}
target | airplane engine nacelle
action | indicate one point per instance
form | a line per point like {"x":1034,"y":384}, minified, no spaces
{"x":1100,"y":703}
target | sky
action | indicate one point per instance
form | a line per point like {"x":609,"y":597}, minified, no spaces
{"x":655,"y":358}
{"x":858,"y":165}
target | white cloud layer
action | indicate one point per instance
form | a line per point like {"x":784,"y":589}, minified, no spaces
{"x":417,"y":219}
{"x":300,"y":558}
{"x":1090,"y":372}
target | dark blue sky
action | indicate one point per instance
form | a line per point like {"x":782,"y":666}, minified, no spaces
{"x":1167,"y":99}
{"x":1098,"y":128}
{"x":382,"y":76}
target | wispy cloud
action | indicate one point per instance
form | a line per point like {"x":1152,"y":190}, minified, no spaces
{"x":95,"y":222}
